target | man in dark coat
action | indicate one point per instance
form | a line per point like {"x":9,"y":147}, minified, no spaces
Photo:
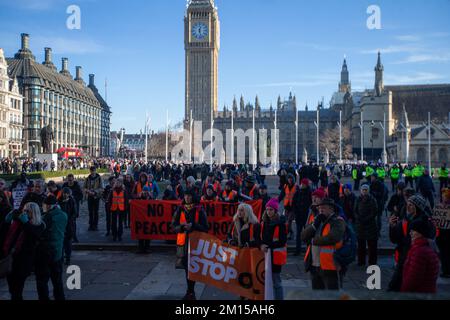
{"x":366,"y":213}
{"x":425,"y":186}
{"x":68,"y":205}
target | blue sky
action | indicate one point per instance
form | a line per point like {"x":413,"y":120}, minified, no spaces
{"x":268,"y":47}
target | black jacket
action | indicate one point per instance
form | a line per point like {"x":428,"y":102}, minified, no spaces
{"x":268,"y":229}
{"x":77,"y":193}
{"x":69,"y":207}
{"x":366,"y":212}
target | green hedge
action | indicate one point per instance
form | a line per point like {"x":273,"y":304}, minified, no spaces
{"x":49,"y":174}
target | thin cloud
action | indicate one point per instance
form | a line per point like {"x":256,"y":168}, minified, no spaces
{"x":425,"y":58}
{"x":409,"y":38}
{"x":418,"y":77}
{"x":62,"y":45}
{"x":393,"y":49}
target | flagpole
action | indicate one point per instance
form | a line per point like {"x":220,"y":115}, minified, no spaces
{"x":212,"y":126}
{"x":361,"y":125}
{"x":429,"y":143}
{"x":253,"y":140}
{"x":340,"y":137}
{"x":276,"y":143}
{"x":296,"y":136}
{"x":167,"y":135}
{"x":146,"y":137}
{"x":232,"y":136}
{"x":190,"y":136}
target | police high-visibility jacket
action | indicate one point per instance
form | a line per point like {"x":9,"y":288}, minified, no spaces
{"x":395,"y":173}
{"x":407,"y":172}
{"x":443,"y":173}
{"x":355,"y":174}
{"x":118,"y":201}
{"x":369,"y":171}
{"x":381,"y":173}
{"x":327,"y":252}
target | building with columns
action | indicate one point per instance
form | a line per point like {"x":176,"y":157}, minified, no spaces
{"x":78,"y":116}
{"x":11,"y":113}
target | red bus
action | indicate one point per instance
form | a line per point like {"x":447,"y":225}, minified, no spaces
{"x":69,"y":153}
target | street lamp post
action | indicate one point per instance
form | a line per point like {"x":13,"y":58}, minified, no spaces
{"x":317,"y":124}
{"x":232,"y":136}
{"x":191,"y":122}
{"x":340,"y":137}
{"x":361,"y":125}
{"x":296,"y":136}
{"x":372,"y":125}
{"x":429,"y":143}
{"x":383,"y":126}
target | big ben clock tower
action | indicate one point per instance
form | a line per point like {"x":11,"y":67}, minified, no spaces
{"x":202,"y":41}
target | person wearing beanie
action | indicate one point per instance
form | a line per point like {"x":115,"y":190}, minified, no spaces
{"x":335,"y":190}
{"x":421,"y":269}
{"x":443,"y":237}
{"x":417,"y":209}
{"x":274,"y":238}
{"x":68,"y":205}
{"x":348,"y":203}
{"x":189,"y":217}
{"x":325,"y":235}
{"x":49,"y":252}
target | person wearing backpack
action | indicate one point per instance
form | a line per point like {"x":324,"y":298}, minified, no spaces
{"x":366,"y":212}
{"x":326,"y":235}
{"x":21,"y":240}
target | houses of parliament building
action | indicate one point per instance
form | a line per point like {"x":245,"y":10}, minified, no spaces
{"x":400,"y":110}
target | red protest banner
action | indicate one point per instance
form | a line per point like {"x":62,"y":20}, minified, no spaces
{"x":236,"y":270}
{"x":151,"y":219}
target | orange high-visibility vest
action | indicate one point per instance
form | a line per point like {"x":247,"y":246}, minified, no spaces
{"x":252,"y":191}
{"x":118,"y":201}
{"x":177,"y":190}
{"x":181,"y":237}
{"x":139,"y":187}
{"x":327,"y":252}
{"x":230,"y":196}
{"x":279,"y":254}
{"x":217,"y":186}
{"x":289,"y":195}
{"x":252,"y":238}
{"x":308,"y":222}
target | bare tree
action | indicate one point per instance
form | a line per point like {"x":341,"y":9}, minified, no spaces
{"x":330,"y":140}
{"x":157,"y":142}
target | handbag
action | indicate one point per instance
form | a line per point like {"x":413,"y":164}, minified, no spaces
{"x":179,"y":263}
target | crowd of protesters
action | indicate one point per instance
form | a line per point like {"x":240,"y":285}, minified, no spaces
{"x":337,"y":225}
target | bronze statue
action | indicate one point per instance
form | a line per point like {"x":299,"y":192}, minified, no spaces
{"x":46,"y":138}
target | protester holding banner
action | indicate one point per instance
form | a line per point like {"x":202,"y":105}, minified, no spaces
{"x":274,"y":237}
{"x":245,"y":230}
{"x":228,"y":194}
{"x":210,"y":194}
{"x":119,"y":199}
{"x":326,"y":234}
{"x":190,"y":216}
{"x":442,"y":220}
{"x":250,"y":189}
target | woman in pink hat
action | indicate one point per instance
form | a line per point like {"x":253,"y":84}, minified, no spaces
{"x":274,"y":237}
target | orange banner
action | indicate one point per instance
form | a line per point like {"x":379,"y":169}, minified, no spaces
{"x":235,"y":270}
{"x":152,"y":219}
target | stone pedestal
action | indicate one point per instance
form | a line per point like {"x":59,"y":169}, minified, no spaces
{"x":48,"y":157}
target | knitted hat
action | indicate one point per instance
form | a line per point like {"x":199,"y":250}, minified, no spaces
{"x":365,"y":187}
{"x":305,"y":182}
{"x":319,"y":193}
{"x":327,"y":202}
{"x":146,"y":188}
{"x":290,"y":176}
{"x":210,"y":186}
{"x":263,"y":187}
{"x":66,"y":190}
{"x":273,"y":203}
{"x":422,"y":227}
{"x":348,"y":186}
{"x":420,"y":202}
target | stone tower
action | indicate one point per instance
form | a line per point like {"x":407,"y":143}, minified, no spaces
{"x":344,"y":85}
{"x":379,"y":68}
{"x":202,"y":42}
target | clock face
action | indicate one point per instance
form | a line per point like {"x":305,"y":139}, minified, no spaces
{"x":200,"y":31}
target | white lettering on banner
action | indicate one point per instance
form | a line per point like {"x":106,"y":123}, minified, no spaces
{"x":18,"y":194}
{"x":441,"y":216}
{"x":214,"y":267}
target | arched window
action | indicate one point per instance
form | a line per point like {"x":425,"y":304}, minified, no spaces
{"x":421,"y":155}
{"x":443,"y":155}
